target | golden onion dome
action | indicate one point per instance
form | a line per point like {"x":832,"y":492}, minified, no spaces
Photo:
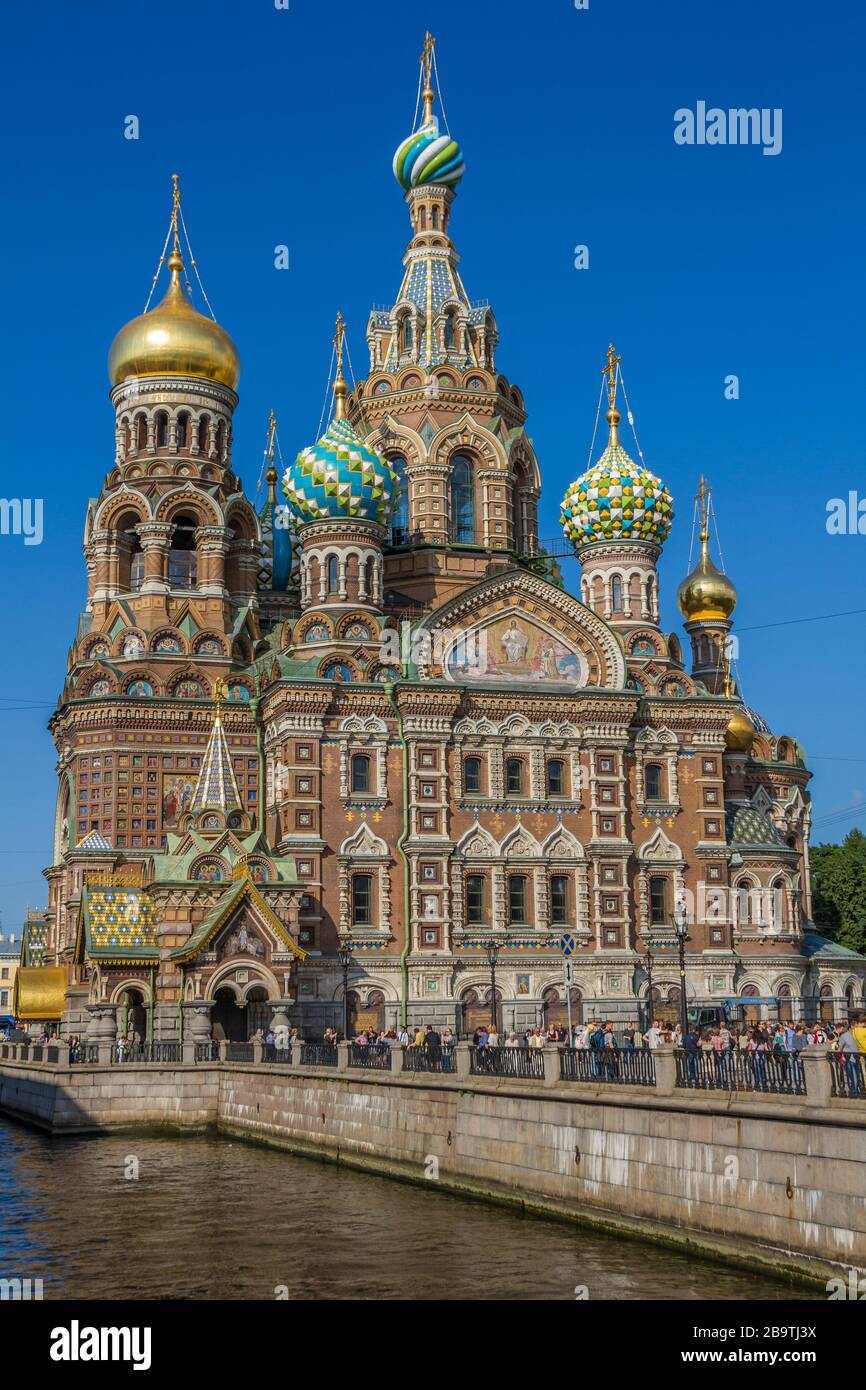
{"x":740,"y":732}
{"x":706,"y":594}
{"x":174,"y":340}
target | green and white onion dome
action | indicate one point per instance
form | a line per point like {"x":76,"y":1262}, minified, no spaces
{"x":340,"y":477}
{"x":428,"y":157}
{"x":616,"y":499}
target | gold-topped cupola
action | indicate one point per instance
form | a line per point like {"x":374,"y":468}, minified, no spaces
{"x":174,"y":339}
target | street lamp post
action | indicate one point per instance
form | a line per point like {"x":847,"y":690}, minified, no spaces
{"x":345,"y":960}
{"x":492,"y":955}
{"x":681,"y":927}
{"x":648,"y":968}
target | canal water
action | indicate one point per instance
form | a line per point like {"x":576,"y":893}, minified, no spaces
{"x":152,"y":1217}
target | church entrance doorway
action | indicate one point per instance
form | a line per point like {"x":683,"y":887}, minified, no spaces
{"x":132,"y":1022}
{"x":477,"y":1011}
{"x":556,"y":1010}
{"x":228,"y":1019}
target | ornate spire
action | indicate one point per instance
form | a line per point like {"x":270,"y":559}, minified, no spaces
{"x":340,"y":387}
{"x":216,"y":788}
{"x":613,"y":416}
{"x":427,"y":64}
{"x":271,"y":475}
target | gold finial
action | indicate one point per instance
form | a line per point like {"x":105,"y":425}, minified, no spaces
{"x":175,"y":260}
{"x":271,"y":475}
{"x":339,"y":381}
{"x":702,"y":498}
{"x":609,"y":370}
{"x":427,"y":64}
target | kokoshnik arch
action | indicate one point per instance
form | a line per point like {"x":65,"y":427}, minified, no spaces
{"x":247,"y":784}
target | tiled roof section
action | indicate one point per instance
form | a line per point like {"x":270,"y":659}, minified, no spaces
{"x":119,"y":921}
{"x":216,"y":789}
{"x":815,"y":946}
{"x":748,"y":828}
{"x":93,"y":840}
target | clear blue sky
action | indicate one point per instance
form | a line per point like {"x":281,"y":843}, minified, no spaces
{"x":704,"y":261}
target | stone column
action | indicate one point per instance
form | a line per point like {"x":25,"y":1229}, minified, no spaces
{"x":297,"y":1049}
{"x":550,"y":1056}
{"x":463,"y":1058}
{"x":102,"y":1029}
{"x":398,"y":1057}
{"x":664,"y":1057}
{"x":196,"y":1026}
{"x":155,"y":537}
{"x":816,"y":1068}
{"x":342,"y":1056}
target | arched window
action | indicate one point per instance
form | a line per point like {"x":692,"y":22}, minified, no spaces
{"x":422,"y":220}
{"x":448,"y":334}
{"x":370,"y":576}
{"x":475,"y":898}
{"x":514,"y":776}
{"x":161,"y":430}
{"x":462,"y":500}
{"x":182,"y":430}
{"x":654,"y":783}
{"x":556,"y":777}
{"x":220,"y":439}
{"x":406,"y":333}
{"x":616,"y":594}
{"x":400,"y":516}
{"x":203,"y":427}
{"x":182,"y":560}
{"x":360,"y":772}
{"x":141,"y":432}
{"x":333,"y":574}
{"x":472,"y":775}
{"x":435,"y":216}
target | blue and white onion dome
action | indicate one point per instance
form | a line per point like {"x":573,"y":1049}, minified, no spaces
{"x":340,"y":477}
{"x":428,"y":157}
{"x":616,"y":499}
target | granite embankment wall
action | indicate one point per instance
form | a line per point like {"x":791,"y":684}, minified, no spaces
{"x":779,"y":1180}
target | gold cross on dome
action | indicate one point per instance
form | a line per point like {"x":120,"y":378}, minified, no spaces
{"x":338,"y":341}
{"x":609,"y":370}
{"x":427,"y":55}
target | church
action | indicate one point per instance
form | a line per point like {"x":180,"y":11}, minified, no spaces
{"x":358,"y":748}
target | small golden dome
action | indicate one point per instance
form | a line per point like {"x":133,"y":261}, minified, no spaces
{"x":740,"y":732}
{"x":706,"y":594}
{"x":174,"y":340}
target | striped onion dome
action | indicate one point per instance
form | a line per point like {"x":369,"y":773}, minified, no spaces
{"x":340,"y":477}
{"x":428,"y":157}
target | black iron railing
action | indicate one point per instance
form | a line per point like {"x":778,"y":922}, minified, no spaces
{"x":421,"y":1059}
{"x":741,"y":1071}
{"x":207,"y":1051}
{"x":239,"y":1052}
{"x":507,"y":1061}
{"x":318,"y":1055}
{"x":620,"y":1065}
{"x":370,"y":1055}
{"x":847,"y":1075}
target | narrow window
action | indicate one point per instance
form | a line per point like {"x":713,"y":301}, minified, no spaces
{"x":555,"y":778}
{"x":161,"y":430}
{"x":360,"y":773}
{"x":203,"y":427}
{"x":517,"y":899}
{"x":472,"y":775}
{"x":182,"y":431}
{"x":616,"y":594}
{"x":400,"y":515}
{"x":462,"y":500}
{"x":332,"y":574}
{"x":362,"y":900}
{"x":514,"y":776}
{"x":654,"y":788}
{"x":658,"y":901}
{"x":475,"y":898}
{"x":559,"y":899}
